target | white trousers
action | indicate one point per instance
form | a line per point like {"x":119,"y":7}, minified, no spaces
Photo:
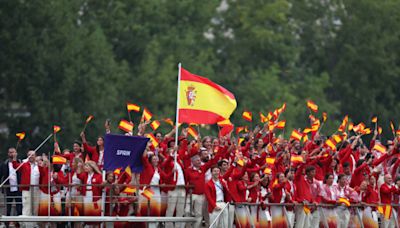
{"x":30,"y":198}
{"x":343,"y":215}
{"x":223,"y":219}
{"x":176,"y":201}
{"x":198,"y":202}
{"x":302,"y":219}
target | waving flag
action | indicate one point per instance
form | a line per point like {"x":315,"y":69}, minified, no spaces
{"x":248,"y":116}
{"x":312,"y":106}
{"x":20,"y":135}
{"x":155,"y":124}
{"x":133,"y":107}
{"x":89,"y":119}
{"x":203,"y":101}
{"x":56,"y":129}
{"x":125,"y":126}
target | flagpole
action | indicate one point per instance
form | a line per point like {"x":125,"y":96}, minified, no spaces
{"x":177,"y":115}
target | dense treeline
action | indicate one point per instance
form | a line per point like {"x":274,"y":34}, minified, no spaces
{"x":63,"y":60}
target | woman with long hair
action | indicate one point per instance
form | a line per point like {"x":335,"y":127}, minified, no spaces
{"x":279,"y":195}
{"x":96,"y":152}
{"x":91,"y":177}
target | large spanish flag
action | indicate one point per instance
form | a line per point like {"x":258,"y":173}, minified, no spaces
{"x":202,"y":101}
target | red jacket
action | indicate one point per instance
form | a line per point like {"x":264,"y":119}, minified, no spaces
{"x":232,"y":176}
{"x":241,"y":188}
{"x":303,"y":188}
{"x":25,"y":174}
{"x":92,"y":150}
{"x":44,"y":180}
{"x":96,"y":180}
{"x":386,"y":193}
{"x":197,"y":177}
{"x":277,"y":191}
{"x":148,"y":172}
{"x":168,"y":166}
{"x":211,"y":193}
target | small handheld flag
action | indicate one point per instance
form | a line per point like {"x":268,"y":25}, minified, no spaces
{"x":248,"y":116}
{"x":132,"y":107}
{"x":125,"y":126}
{"x":312,"y":106}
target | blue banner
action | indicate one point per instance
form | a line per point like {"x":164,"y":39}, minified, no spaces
{"x":121,"y":151}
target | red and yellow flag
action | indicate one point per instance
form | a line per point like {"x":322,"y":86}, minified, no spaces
{"x":281,"y":124}
{"x":312,"y":106}
{"x":169,"y":121}
{"x":56,"y":129}
{"x":58,"y":160}
{"x":20,"y":135}
{"x":296,"y":135}
{"x":203,"y":101}
{"x":263,"y":118}
{"x":147,"y":114}
{"x":89,"y":119}
{"x":267,"y":171}
{"x":331,"y":143}
{"x":324,"y":116}
{"x":392,"y":127}
{"x":155,"y":124}
{"x":374,"y":119}
{"x":240,"y":129}
{"x":193,"y":132}
{"x":133,"y":107}
{"x":153,"y":140}
{"x":248,"y":116}
{"x":129,"y":190}
{"x":296,"y":158}
{"x":125,"y":126}
{"x":225,"y":127}
{"x":148,"y":193}
{"x":342,"y":126}
{"x":350,"y":127}
{"x":379,"y":147}
{"x":270,"y":161}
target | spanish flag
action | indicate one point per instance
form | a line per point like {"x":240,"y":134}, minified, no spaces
{"x":392,"y":127}
{"x":169,"y":121}
{"x":147,"y":114}
{"x":193,"y":132}
{"x":248,"y":116}
{"x":125,"y":126}
{"x":342,"y":126}
{"x":296,"y":135}
{"x":331,"y":143}
{"x":202,"y":101}
{"x":239,"y":129}
{"x":155,"y":124}
{"x":263,"y":118}
{"x":374,"y":119}
{"x":379,"y":147}
{"x":89,"y":119}
{"x":153,"y":140}
{"x":56,"y":129}
{"x":270,"y":161}
{"x":129,"y":190}
{"x":20,"y":135}
{"x":148,"y":193}
{"x":324,"y":116}
{"x":312,"y":106}
{"x":59,"y":160}
{"x":296,"y":158}
{"x":267,"y":171}
{"x":133,"y":107}
{"x":281,"y":124}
